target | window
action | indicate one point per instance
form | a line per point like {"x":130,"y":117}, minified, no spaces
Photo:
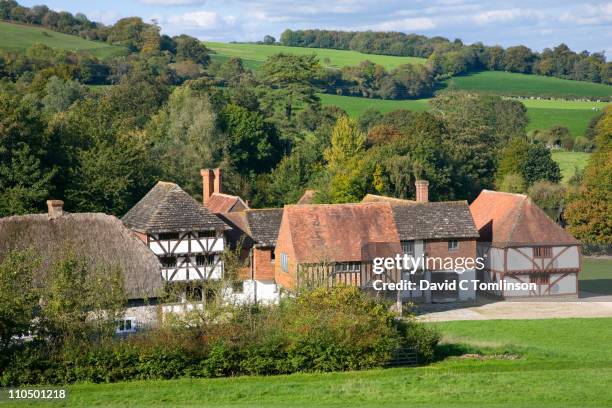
{"x":408,"y":247}
{"x":542,"y":252}
{"x":284,"y":263}
{"x":168,"y":261}
{"x":207,"y":234}
{"x":272,"y":255}
{"x":205,"y":260}
{"x":238,"y":287}
{"x":165,"y":236}
{"x":127,"y":325}
{"x":453,"y":245}
{"x":540,"y":278}
{"x":347,"y":267}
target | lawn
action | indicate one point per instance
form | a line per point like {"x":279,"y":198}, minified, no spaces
{"x":542,"y":114}
{"x":569,"y":161}
{"x":547,"y":363}
{"x":513,"y":84}
{"x":20,"y":37}
{"x":596,"y":276}
{"x":253,"y":55}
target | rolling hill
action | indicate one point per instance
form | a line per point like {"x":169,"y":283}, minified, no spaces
{"x":253,"y":55}
{"x":575,"y":115}
{"x":20,"y":37}
{"x":513,"y":84}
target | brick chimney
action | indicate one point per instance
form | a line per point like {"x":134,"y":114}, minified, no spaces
{"x":55,"y":208}
{"x":211,"y":183}
{"x":218,"y":183}
{"x":422,"y":191}
{"x":208,"y":179}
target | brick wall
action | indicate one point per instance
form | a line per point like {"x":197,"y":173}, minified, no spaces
{"x":262,"y":262}
{"x":466,"y":248}
{"x":284,"y":244}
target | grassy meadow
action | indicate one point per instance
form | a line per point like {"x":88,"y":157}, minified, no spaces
{"x":514,"y":84}
{"x":20,"y":37}
{"x":496,"y":363}
{"x":596,"y":276}
{"x":253,"y":55}
{"x":542,"y":114}
{"x":569,"y":161}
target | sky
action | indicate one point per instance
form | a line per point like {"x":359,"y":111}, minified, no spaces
{"x":537,"y":24}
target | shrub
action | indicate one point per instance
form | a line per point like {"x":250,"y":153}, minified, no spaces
{"x":317,"y":330}
{"x":547,"y":195}
{"x":582,"y":144}
{"x":512,"y":183}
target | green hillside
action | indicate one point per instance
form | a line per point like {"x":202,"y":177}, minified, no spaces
{"x":513,"y":84}
{"x":543,"y":114}
{"x":21,"y":37}
{"x":254,"y":55}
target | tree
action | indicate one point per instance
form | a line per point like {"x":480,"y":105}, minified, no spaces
{"x":589,"y":214}
{"x":345,"y":162}
{"x":252,"y":144}
{"x":269,"y":40}
{"x":184,"y":138}
{"x":18,"y":298}
{"x":192,"y":49}
{"x":60,"y":94}
{"x":78,"y":301}
{"x":539,"y":165}
{"x":287,"y":84}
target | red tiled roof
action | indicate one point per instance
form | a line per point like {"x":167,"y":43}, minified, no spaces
{"x":507,"y":219}
{"x":223,"y":203}
{"x":341,"y":232}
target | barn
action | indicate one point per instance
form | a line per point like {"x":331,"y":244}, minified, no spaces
{"x":521,"y":245}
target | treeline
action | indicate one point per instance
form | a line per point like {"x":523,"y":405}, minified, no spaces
{"x":447,"y":58}
{"x":372,"y":80}
{"x":187,"y":54}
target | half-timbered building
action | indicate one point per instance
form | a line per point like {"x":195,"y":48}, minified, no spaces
{"x":186,"y":237}
{"x":522,"y":245}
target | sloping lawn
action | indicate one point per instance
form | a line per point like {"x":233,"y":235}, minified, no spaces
{"x":514,"y":363}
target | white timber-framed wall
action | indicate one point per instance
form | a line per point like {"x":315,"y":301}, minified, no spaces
{"x":553,"y":269}
{"x":189,"y":256}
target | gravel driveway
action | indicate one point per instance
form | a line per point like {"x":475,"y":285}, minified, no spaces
{"x":595,"y":306}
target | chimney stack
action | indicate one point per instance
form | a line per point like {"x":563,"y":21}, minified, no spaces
{"x":218,"y":184}
{"x":55,"y":208}
{"x":211,"y":183}
{"x":422,"y":191}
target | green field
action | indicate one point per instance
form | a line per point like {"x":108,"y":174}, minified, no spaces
{"x":596,"y":276}
{"x":21,"y":37}
{"x":513,"y":84}
{"x":513,"y":363}
{"x":543,"y":114}
{"x":569,"y":161}
{"x":253,"y":55}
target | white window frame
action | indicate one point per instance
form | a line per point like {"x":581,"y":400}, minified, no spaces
{"x":453,"y":245}
{"x":284,"y":262}
{"x":133,"y":325}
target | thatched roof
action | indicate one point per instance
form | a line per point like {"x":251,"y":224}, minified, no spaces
{"x":99,"y":239}
{"x":167,"y":208}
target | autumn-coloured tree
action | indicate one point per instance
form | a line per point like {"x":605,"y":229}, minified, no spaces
{"x":589,"y":215}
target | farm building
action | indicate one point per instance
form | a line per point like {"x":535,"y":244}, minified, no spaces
{"x":522,"y":245}
{"x":336,"y":243}
{"x":100,"y":240}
